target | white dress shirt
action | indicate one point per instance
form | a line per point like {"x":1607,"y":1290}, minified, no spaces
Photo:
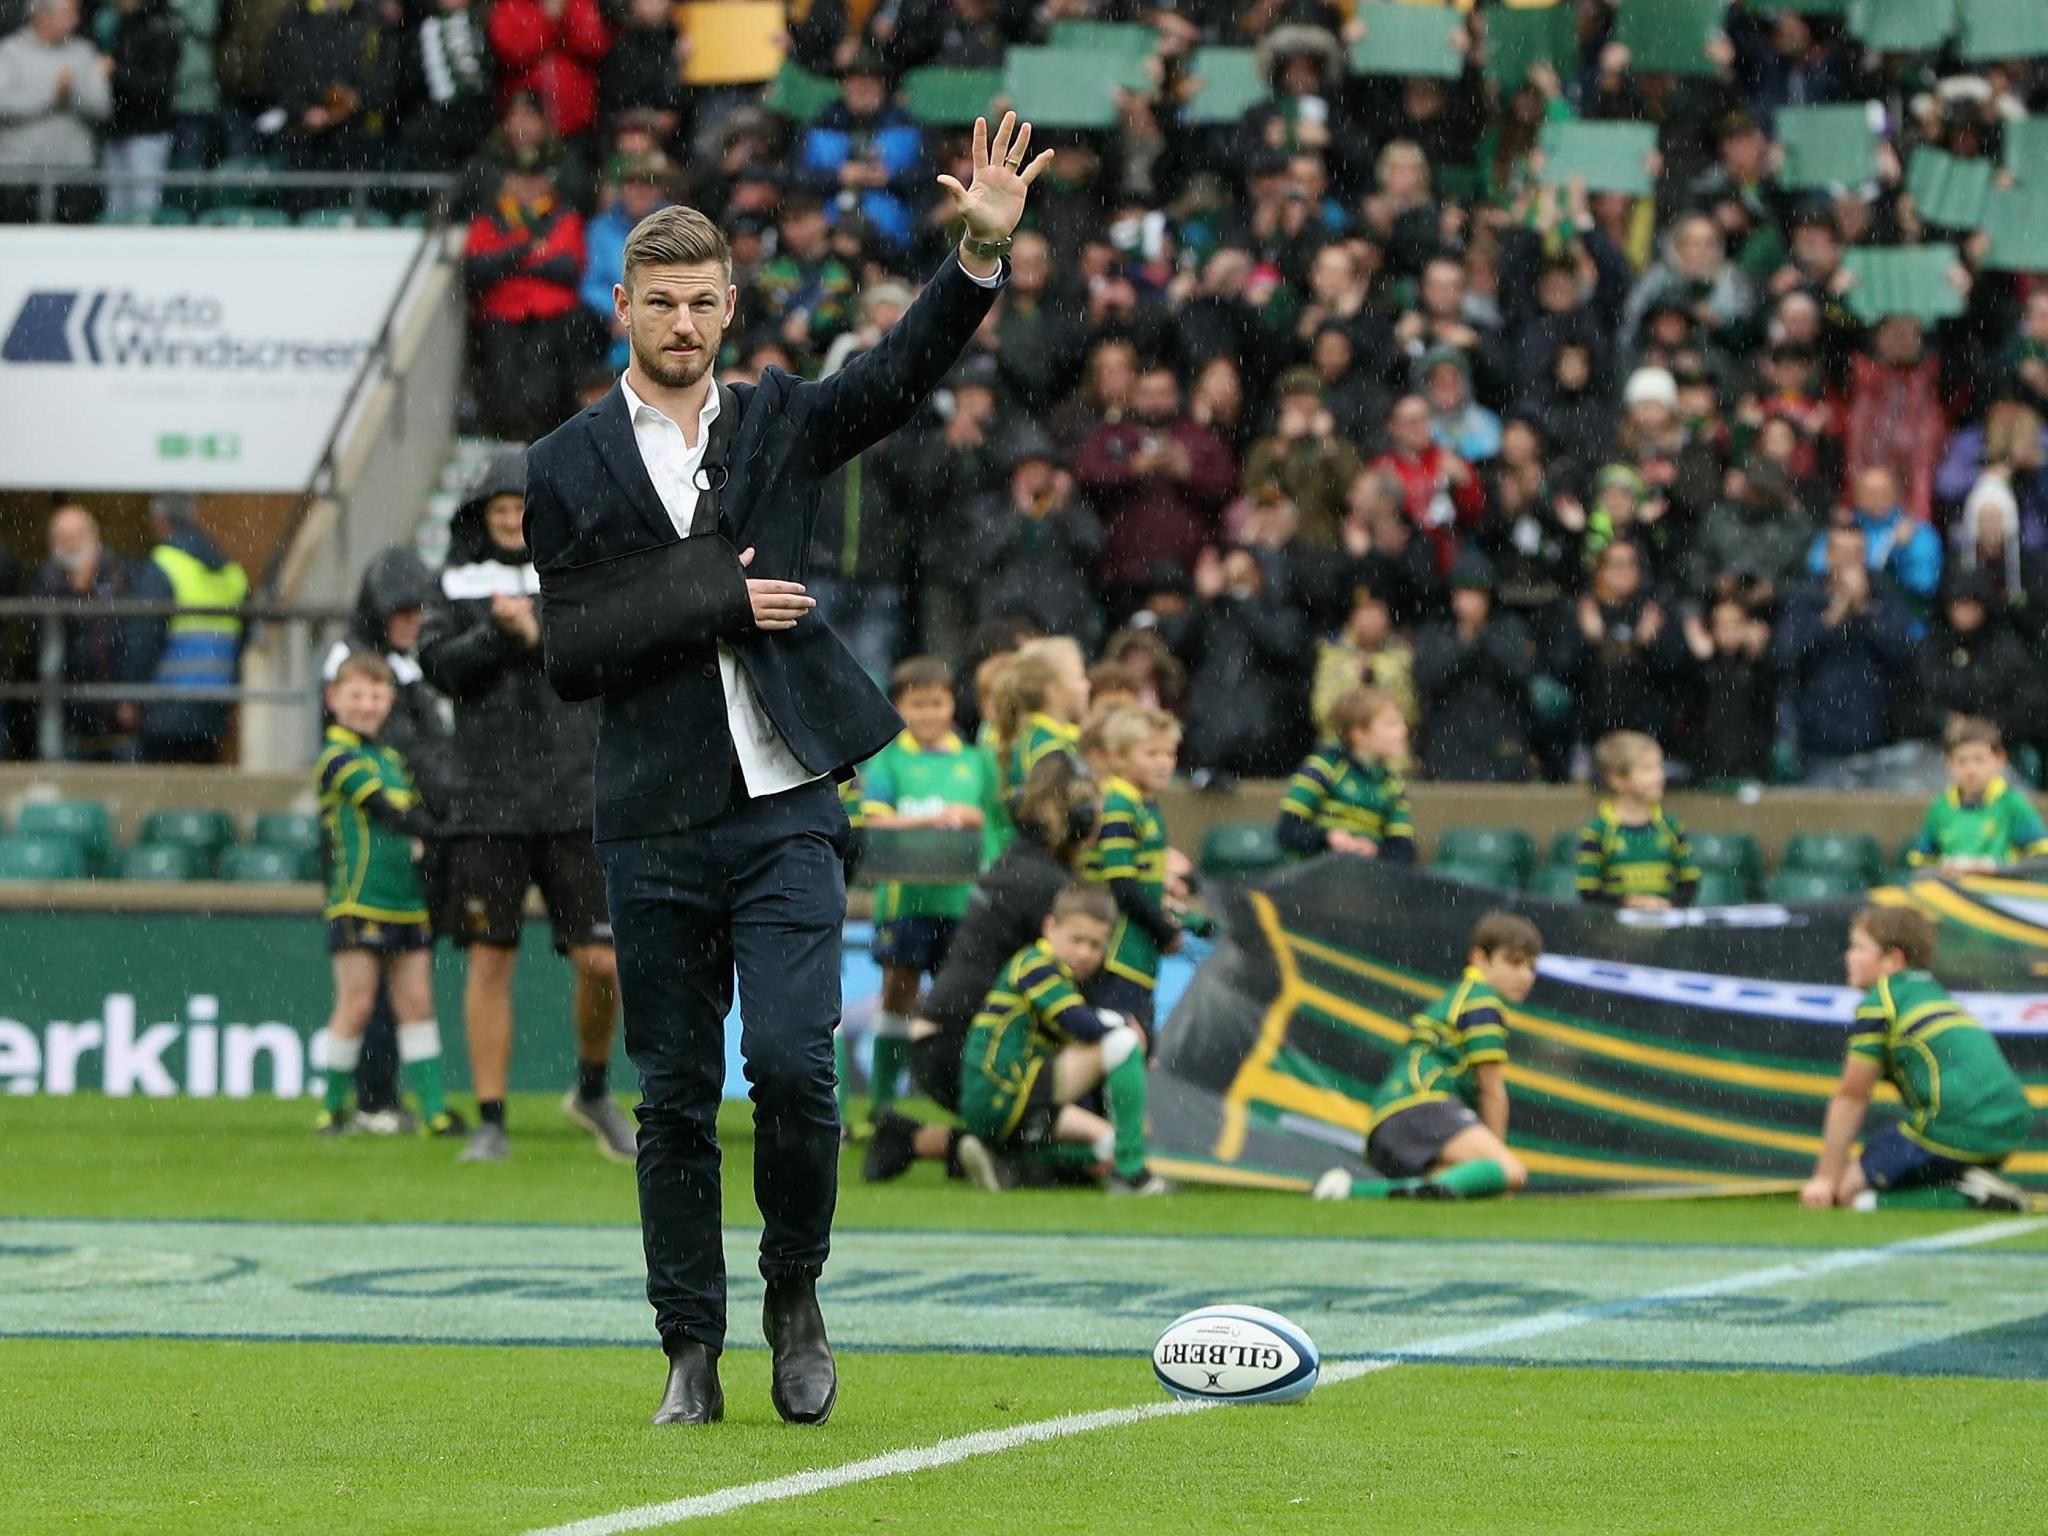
{"x":766,"y":763}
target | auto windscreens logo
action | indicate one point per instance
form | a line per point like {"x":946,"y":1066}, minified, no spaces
{"x":120,"y":328}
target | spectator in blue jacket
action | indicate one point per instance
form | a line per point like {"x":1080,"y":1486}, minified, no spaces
{"x":633,"y":188}
{"x":867,"y":154}
{"x":1898,"y":546}
{"x":1840,"y":646}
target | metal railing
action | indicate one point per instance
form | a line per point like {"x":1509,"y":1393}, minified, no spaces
{"x":355,"y":188}
{"x":309,"y":631}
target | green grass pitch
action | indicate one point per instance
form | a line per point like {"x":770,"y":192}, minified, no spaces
{"x":212,"y":1323}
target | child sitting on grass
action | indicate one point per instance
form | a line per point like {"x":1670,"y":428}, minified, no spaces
{"x":1035,"y":1048}
{"x":1966,"y":1110}
{"x":1633,"y":853}
{"x":926,"y":777}
{"x":376,"y":912}
{"x":1980,"y":822}
{"x":1440,"y":1115}
{"x":1349,"y":797}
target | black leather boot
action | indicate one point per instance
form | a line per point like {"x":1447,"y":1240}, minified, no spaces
{"x":693,"y":1395}
{"x":806,"y":1383}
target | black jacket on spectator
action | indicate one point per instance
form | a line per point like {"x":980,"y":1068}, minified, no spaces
{"x":640,"y":73}
{"x":522,"y":759}
{"x":1475,"y":700}
{"x":1987,"y":673}
{"x":341,"y":42}
{"x":145,"y":49}
{"x":1840,"y":676}
{"x":1623,"y":682}
{"x":1250,"y":656}
{"x":1733,"y":723}
{"x":1038,"y":567}
{"x":100,"y":650}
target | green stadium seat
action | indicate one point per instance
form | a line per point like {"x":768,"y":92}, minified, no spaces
{"x":1729,"y":853}
{"x":287,"y":829}
{"x":1564,"y":848}
{"x":344,"y":218}
{"x":255,"y":864}
{"x":84,"y":822}
{"x":160,"y":861}
{"x":1508,"y":846}
{"x":124,"y":216}
{"x":1795,"y":885}
{"x":1721,"y":888}
{"x":1853,"y":855}
{"x":206,"y":833}
{"x":1560,"y":882}
{"x":1500,"y":877}
{"x":42,"y":858}
{"x":1240,"y":850}
{"x":244,"y":216}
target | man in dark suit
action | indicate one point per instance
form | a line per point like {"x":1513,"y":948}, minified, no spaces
{"x":669,"y":524}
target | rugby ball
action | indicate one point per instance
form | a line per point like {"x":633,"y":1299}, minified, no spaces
{"x":1236,"y":1355}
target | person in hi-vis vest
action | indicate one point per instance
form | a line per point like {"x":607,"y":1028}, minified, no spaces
{"x":200,"y":650}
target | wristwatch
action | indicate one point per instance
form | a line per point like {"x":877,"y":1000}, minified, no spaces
{"x":987,"y":250}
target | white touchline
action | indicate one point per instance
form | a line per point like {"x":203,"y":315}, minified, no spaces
{"x":991,"y":1442}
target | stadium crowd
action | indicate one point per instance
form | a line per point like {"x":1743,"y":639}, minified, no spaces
{"x":1343,"y":390}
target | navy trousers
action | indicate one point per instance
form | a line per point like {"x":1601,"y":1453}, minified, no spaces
{"x":758,"y":891}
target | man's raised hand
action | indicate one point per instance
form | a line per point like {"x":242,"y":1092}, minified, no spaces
{"x":777,"y":604}
{"x":993,"y":203}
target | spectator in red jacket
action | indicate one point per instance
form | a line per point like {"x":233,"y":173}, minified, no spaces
{"x":1440,"y":492}
{"x":1159,"y":482}
{"x":552,"y":48}
{"x":525,"y":257}
{"x":1896,"y":420}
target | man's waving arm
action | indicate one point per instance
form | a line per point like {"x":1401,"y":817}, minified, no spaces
{"x":877,"y":392}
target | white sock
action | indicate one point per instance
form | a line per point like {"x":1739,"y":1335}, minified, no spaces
{"x":343,"y":1053}
{"x":1104,"y":1147}
{"x":1117,"y":1047}
{"x":419,"y":1042}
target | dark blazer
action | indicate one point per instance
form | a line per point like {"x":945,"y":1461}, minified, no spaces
{"x":664,"y":755}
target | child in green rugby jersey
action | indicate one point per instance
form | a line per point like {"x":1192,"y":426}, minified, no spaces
{"x":1139,"y":747}
{"x":1035,"y":1048}
{"x":926,"y":777}
{"x":1980,"y":822}
{"x":1633,"y":853}
{"x":1348,"y":795}
{"x":1439,"y":1126}
{"x":1966,"y":1109}
{"x":376,"y":912}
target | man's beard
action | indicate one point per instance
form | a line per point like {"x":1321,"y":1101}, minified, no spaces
{"x":673,"y":373}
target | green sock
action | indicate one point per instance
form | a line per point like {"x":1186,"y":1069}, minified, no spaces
{"x":342,"y":1056}
{"x":892,"y":1054}
{"x":1061,"y":1157}
{"x":419,"y":1048}
{"x":1375,"y":1189}
{"x":1125,"y":1090}
{"x":843,"y":1068}
{"x":1469,"y":1181}
{"x":1928,"y":1197}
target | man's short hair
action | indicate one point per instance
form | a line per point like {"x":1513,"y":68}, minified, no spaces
{"x":1084,"y":899}
{"x":919,"y":672}
{"x":1509,"y":934}
{"x":1900,"y":928}
{"x":673,"y":237}
{"x":1972,"y":731}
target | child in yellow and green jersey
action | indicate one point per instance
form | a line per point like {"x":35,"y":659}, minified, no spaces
{"x":1039,"y":701}
{"x":926,"y":777}
{"x":1349,"y":797}
{"x":1980,"y":822}
{"x":1139,"y":747}
{"x":376,"y":911}
{"x":1439,"y":1127}
{"x":1634,"y":853}
{"x":1035,"y":1048}
{"x":1966,"y":1109}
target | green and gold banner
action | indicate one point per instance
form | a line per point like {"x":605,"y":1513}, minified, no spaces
{"x":1672,"y":1049}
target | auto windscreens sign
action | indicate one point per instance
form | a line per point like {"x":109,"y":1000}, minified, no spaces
{"x":184,"y":359}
